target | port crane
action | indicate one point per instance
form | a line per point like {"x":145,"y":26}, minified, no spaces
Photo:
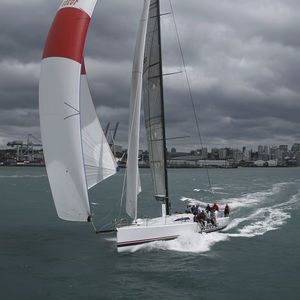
{"x":25,"y":151}
{"x":111,"y":135}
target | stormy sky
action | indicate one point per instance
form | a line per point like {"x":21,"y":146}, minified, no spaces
{"x":242,"y":59}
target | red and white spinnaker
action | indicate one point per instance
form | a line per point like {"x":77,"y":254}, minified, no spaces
{"x":76,"y":151}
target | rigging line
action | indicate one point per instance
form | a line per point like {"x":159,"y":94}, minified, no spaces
{"x":94,"y":226}
{"x":123,"y":192}
{"x":97,"y":167}
{"x":173,"y":138}
{"x":190,"y":91}
{"x":165,"y":74}
{"x":172,"y":73}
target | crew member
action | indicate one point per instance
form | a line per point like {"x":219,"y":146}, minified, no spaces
{"x":216,"y":207}
{"x":226,"y":211}
{"x":208,"y":208}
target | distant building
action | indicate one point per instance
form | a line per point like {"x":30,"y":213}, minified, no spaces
{"x":199,"y":163}
{"x":223,"y":153}
{"x":237,"y":155}
{"x":213,"y":163}
{"x":262,"y":163}
{"x":297,"y":157}
{"x":263,"y":153}
{"x":204,"y":153}
{"x":295,"y":148}
{"x":260,"y":149}
{"x":266,"y":149}
{"x":215,"y":153}
{"x":283,"y":148}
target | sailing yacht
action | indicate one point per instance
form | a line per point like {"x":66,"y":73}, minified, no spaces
{"x":147,"y":85}
{"x":76,"y":151}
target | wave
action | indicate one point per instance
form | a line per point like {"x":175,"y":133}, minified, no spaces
{"x":23,"y":176}
{"x":202,"y":190}
{"x":265,"y":219}
{"x":213,"y":190}
{"x":245,"y":200}
{"x":192,"y":201}
{"x":111,"y":239}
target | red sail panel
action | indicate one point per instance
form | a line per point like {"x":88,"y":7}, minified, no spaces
{"x":83,"y":71}
{"x":67,"y":34}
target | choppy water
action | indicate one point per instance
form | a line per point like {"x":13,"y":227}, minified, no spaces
{"x":257,"y":257}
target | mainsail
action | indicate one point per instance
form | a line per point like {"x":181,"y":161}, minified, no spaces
{"x":153,"y":104}
{"x":133,"y":182}
{"x":65,"y":142}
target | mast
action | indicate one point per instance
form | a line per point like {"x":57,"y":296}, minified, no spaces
{"x":163,"y":112}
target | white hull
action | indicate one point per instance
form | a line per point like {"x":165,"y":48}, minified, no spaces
{"x":163,"y":228}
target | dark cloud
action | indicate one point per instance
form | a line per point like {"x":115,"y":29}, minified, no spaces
{"x":242,"y":59}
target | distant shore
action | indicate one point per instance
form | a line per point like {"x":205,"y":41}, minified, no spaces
{"x":169,"y":167}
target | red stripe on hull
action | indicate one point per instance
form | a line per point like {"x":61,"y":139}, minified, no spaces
{"x":149,"y":240}
{"x":67,"y":34}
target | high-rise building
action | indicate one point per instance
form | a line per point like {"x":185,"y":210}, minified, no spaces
{"x":204,"y":153}
{"x":295,"y":148}
{"x":237,"y":155}
{"x":266,"y":150}
{"x":283,"y":148}
{"x":260,"y":149}
{"x":223,"y":153}
{"x":215,"y":153}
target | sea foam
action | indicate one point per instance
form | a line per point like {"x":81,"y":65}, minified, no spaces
{"x":190,"y":242}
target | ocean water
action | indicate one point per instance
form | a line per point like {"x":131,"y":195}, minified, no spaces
{"x":256,"y":257}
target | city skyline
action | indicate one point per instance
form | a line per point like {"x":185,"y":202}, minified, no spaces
{"x":33,"y":141}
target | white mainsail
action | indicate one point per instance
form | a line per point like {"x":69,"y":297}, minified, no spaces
{"x":65,"y":142}
{"x":133,"y":182}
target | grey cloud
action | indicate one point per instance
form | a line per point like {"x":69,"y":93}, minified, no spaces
{"x":242,"y":58}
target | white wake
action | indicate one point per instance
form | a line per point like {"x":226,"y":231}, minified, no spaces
{"x":264,"y":216}
{"x":263,"y":219}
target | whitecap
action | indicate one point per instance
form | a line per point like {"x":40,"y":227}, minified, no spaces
{"x":22,"y":176}
{"x":111,"y":239}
